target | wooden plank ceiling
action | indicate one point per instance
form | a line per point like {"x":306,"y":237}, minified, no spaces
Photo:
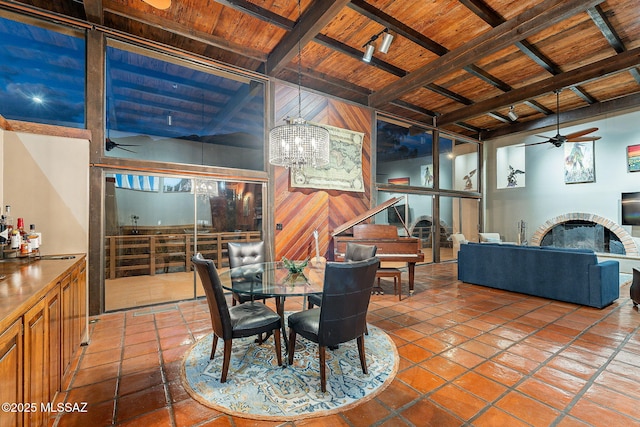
{"x":458,"y":63}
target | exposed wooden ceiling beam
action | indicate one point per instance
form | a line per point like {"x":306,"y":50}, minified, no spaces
{"x":519,"y":28}
{"x":184,"y":31}
{"x":585,"y":113}
{"x":93,"y":11}
{"x":396,"y":26}
{"x":603,"y":24}
{"x":421,"y":40}
{"x":314,"y":19}
{"x":587,"y":73}
{"x":258,"y":12}
{"x":385,"y":66}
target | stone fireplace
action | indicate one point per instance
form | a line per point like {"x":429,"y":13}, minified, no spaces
{"x":583,"y":230}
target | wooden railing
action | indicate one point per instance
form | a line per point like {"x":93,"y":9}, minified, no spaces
{"x":136,"y":255}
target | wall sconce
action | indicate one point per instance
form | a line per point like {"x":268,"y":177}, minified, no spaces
{"x":513,"y":116}
{"x":370,"y":46}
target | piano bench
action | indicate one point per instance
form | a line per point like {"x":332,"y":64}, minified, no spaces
{"x":397,"y":280}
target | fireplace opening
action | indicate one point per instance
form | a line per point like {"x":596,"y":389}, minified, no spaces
{"x":580,"y":234}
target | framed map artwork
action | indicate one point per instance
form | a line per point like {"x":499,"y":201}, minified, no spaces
{"x":344,"y":171}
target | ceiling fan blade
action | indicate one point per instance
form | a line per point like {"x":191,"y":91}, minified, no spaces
{"x":535,"y":143}
{"x":583,"y":139}
{"x":542,"y":136}
{"x":581,"y":133}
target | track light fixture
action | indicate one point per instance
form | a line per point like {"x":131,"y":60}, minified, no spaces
{"x":513,"y":116}
{"x":368,"y":52}
{"x":370,"y":47}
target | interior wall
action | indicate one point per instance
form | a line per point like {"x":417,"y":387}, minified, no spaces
{"x":301,"y":211}
{"x":45,"y":179}
{"x":546,"y":195}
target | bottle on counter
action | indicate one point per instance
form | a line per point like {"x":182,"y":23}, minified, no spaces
{"x":16,"y":240}
{"x":8,"y":222}
{"x":34,"y":238}
{"x":3,"y":240}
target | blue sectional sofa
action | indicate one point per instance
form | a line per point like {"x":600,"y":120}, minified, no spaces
{"x":571,"y":275}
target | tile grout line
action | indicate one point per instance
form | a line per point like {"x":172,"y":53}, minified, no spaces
{"x":601,"y":369}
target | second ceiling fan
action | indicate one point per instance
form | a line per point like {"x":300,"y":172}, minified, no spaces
{"x":559,"y":139}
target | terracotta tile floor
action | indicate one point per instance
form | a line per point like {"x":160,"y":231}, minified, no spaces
{"x":469,"y":356}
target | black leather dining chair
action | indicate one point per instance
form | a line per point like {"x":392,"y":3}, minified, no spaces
{"x":353,"y":252}
{"x":241,"y":254}
{"x":243,"y":320}
{"x":342,"y":317}
{"x":634,"y":290}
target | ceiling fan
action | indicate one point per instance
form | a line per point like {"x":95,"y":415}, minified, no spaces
{"x":559,"y":139}
{"x":110,"y":144}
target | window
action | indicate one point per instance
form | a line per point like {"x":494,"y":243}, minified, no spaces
{"x":163,"y":109}
{"x":42,"y":76}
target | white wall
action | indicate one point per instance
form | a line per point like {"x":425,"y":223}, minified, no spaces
{"x":545,"y":194}
{"x":45,"y":179}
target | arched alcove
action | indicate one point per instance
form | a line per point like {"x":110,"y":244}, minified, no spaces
{"x":582,"y":219}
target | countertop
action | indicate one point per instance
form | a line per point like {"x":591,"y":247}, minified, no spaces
{"x":26,"y":281}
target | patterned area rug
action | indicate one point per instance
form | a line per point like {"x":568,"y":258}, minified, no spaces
{"x":258,"y":388}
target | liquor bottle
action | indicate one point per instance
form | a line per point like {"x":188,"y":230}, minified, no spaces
{"x":8,"y":222}
{"x":20,"y":226}
{"x":16,"y":240}
{"x":3,"y":240}
{"x":33,"y":238}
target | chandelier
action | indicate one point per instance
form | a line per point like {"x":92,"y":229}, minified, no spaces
{"x":297,"y":143}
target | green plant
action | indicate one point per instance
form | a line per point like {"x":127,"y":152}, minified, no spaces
{"x":293,"y":267}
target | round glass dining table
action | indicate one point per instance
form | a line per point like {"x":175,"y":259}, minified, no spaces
{"x":273,"y":279}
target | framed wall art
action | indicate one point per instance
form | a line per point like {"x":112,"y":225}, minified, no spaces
{"x":399,"y":181}
{"x":633,"y":158}
{"x":579,"y":166}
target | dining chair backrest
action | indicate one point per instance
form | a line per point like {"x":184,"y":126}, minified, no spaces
{"x":245,"y":253}
{"x":345,"y":300}
{"x":218,"y":307}
{"x":359,"y":252}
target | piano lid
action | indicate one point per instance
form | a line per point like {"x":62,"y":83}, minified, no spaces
{"x":363,"y":217}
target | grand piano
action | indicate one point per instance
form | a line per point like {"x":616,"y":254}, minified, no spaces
{"x":391,"y":246}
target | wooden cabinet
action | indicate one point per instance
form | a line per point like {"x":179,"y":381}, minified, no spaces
{"x":54,"y":316}
{"x":37,"y":349}
{"x":36,"y":362}
{"x":66,"y":292}
{"x":11,"y":371}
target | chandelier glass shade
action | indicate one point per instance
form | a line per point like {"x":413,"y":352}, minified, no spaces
{"x":297,"y":144}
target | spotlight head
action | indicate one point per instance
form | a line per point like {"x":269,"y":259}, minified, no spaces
{"x":513,"y":116}
{"x":386,"y":42}
{"x":368,"y":52}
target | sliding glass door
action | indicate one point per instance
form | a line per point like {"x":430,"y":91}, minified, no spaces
{"x":155,"y":224}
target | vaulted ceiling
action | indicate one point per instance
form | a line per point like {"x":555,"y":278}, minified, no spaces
{"x":459,"y":64}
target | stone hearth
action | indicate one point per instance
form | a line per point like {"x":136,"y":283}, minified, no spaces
{"x":576,"y":223}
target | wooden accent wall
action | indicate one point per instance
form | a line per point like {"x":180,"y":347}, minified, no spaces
{"x":301,"y":211}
